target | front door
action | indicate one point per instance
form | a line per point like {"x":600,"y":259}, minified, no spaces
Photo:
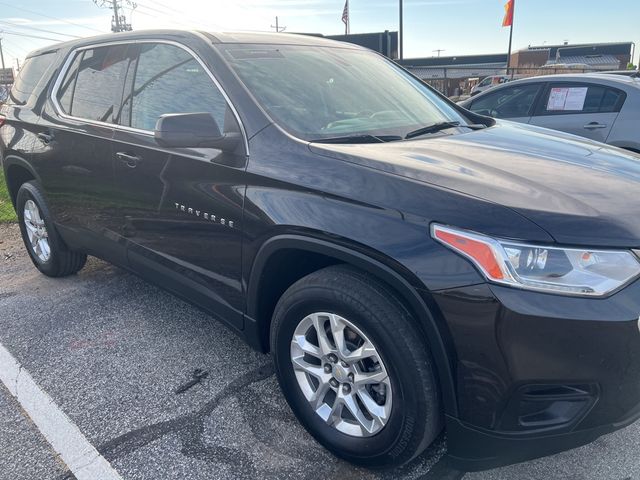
{"x":180,"y":209}
{"x":514,"y":102}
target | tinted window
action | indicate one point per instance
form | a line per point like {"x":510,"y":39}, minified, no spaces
{"x":29,"y":76}
{"x":510,"y":102}
{"x":169,"y":80}
{"x":65,"y":91}
{"x":99,"y":83}
{"x":575,"y":98}
{"x":612,"y":100}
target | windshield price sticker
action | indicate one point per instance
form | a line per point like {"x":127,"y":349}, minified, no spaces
{"x":567,"y":98}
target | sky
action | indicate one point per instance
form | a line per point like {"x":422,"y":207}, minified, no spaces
{"x":458,"y":27}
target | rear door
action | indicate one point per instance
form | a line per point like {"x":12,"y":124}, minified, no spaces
{"x":584,"y":109}
{"x":20,"y":114}
{"x":515,"y":102}
{"x":180,"y":209}
{"x":75,"y":153}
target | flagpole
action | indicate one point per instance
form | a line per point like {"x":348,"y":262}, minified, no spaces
{"x":513,"y":14}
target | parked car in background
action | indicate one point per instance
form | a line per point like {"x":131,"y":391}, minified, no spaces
{"x":489,"y":82}
{"x":601,"y":107}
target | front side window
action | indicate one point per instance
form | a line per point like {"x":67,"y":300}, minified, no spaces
{"x":170,"y":80}
{"x":322,"y":92}
{"x":509,"y":102}
{"x":98,"y":83}
{"x":30,"y":75}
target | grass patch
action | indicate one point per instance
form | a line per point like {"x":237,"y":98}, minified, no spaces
{"x":7,"y":214}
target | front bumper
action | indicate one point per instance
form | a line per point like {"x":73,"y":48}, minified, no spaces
{"x":472,"y":449}
{"x":538,"y":373}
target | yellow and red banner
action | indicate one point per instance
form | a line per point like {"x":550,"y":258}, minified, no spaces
{"x":507,"y":21}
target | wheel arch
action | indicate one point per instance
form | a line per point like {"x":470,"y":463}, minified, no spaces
{"x":257,"y":321}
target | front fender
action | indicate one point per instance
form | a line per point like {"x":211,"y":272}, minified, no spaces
{"x":435,"y":332}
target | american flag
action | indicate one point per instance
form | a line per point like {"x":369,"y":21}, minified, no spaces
{"x":345,"y":16}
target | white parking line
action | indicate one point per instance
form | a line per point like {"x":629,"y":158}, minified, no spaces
{"x":65,"y":437}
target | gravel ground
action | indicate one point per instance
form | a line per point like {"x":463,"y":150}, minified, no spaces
{"x":110,"y":349}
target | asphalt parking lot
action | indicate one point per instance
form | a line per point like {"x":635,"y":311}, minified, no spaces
{"x":111,"y":350}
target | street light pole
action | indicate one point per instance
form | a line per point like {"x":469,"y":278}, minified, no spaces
{"x":401,"y":36}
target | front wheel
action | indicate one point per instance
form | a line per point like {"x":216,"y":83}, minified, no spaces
{"x":353,"y":368}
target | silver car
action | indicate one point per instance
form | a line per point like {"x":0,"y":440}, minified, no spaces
{"x":603,"y":107}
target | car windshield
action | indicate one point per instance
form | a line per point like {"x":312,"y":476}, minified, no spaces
{"x":322,"y":92}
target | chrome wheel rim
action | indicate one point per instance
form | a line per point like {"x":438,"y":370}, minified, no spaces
{"x":36,"y":231}
{"x":341,"y":374}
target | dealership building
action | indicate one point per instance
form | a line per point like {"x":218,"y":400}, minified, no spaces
{"x":458,"y":73}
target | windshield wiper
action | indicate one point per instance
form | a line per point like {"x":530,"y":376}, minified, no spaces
{"x":436,"y":127}
{"x":366,"y":138}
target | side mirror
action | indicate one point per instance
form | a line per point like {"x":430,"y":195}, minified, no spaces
{"x":193,"y":130}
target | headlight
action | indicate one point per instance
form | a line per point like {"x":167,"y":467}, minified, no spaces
{"x":568,"y":271}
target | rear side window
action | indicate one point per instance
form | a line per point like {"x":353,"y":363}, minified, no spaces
{"x":29,"y":77}
{"x":169,"y":80}
{"x":509,"y":102}
{"x":563,"y":98}
{"x":68,"y":85}
{"x":93,"y":84}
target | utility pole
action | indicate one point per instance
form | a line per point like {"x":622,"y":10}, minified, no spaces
{"x":401,"y":35}
{"x":1,"y":54}
{"x":4,"y":84}
{"x":118,"y":21}
{"x":439,"y":50}
{"x":277,"y":27}
{"x":116,"y":18}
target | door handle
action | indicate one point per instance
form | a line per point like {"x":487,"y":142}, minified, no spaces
{"x":46,"y":138}
{"x":129,"y":160}
{"x":594,"y":125}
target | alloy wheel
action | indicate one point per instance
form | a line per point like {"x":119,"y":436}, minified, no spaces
{"x":341,"y":374}
{"x":36,"y":231}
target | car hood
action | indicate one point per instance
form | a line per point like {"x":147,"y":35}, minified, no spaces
{"x":580,"y":192}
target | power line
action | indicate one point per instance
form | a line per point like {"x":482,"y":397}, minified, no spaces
{"x":17,"y":25}
{"x":22,"y":34}
{"x":147,"y":14}
{"x":10,"y":52}
{"x":51,"y":17}
{"x":16,"y":46}
{"x":171,"y":13}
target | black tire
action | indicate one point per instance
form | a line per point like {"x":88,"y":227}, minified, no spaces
{"x":62,"y":261}
{"x":416,"y":417}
